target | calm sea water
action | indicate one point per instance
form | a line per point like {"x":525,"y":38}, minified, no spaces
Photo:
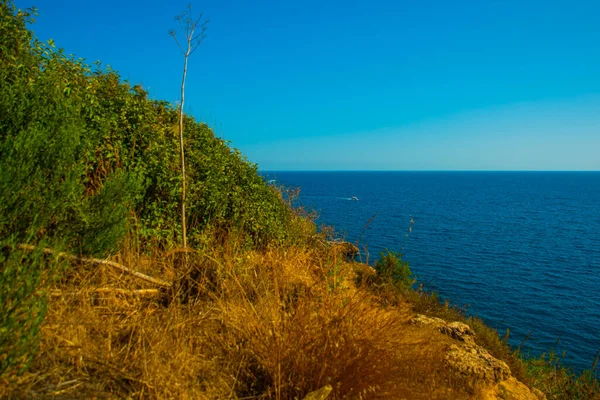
{"x":519,"y":249}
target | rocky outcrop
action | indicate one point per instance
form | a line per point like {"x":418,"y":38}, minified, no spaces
{"x":459,"y":331}
{"x":421,"y":319}
{"x":456,"y":330}
{"x":476,"y":365}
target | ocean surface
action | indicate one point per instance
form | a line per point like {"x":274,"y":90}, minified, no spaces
{"x":519,"y":249}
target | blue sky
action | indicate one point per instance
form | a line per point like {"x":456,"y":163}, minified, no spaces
{"x":385,"y":85}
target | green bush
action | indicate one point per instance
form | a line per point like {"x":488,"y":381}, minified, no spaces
{"x":549,"y":374}
{"x":23,"y":306}
{"x":393,"y":271}
{"x":45,"y":151}
{"x":86,"y":158}
{"x":392,"y":280}
{"x":118,"y":133}
{"x":44,"y":199}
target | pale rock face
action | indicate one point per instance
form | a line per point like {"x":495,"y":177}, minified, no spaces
{"x":512,"y":389}
{"x":474,"y":362}
{"x":420,"y":319}
{"x":456,"y":330}
{"x":459,"y":331}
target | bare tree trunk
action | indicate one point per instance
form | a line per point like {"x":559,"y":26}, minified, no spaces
{"x":183,"y":219}
{"x":189,"y":24}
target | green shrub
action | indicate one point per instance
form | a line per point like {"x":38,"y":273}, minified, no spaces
{"x":394,"y":271}
{"x":558,"y":382}
{"x":392,"y":280}
{"x":22,"y":307}
{"x":44,"y":199}
{"x":86,"y":158}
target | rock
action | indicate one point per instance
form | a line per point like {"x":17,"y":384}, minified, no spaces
{"x":456,"y":330}
{"x":320,"y":394}
{"x":459,"y":331}
{"x":420,"y":319}
{"x":475,"y":363}
{"x":512,"y":389}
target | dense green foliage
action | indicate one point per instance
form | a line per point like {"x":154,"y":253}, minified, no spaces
{"x":107,"y":143}
{"x":393,"y":270}
{"x":85,"y":159}
{"x":390,"y":279}
{"x":22,"y":307}
{"x":46,"y":150}
{"x":44,"y":200}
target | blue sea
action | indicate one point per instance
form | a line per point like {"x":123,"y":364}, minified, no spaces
{"x":519,"y":249}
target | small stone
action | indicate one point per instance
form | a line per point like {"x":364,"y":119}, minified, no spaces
{"x":320,"y":394}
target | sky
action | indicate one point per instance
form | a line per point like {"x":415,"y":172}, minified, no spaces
{"x":365,"y":85}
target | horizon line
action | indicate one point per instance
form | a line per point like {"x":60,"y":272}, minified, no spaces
{"x":429,"y":170}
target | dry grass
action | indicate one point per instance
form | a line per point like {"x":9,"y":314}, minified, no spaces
{"x":274,"y":324}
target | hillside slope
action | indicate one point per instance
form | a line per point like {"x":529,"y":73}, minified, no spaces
{"x":262,"y":324}
{"x":98,"y":300}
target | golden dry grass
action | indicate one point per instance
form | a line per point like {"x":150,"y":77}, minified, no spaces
{"x":272,"y":324}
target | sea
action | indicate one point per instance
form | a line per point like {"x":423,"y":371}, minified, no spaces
{"x":519,"y":249}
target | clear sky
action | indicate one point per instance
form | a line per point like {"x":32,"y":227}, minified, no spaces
{"x":355,"y":85}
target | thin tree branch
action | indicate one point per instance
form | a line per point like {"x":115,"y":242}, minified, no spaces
{"x":177,"y":42}
{"x":201,"y":35}
{"x":193,"y":50}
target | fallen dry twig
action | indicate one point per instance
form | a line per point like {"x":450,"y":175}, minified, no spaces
{"x":98,"y":261}
{"x":129,"y":292}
